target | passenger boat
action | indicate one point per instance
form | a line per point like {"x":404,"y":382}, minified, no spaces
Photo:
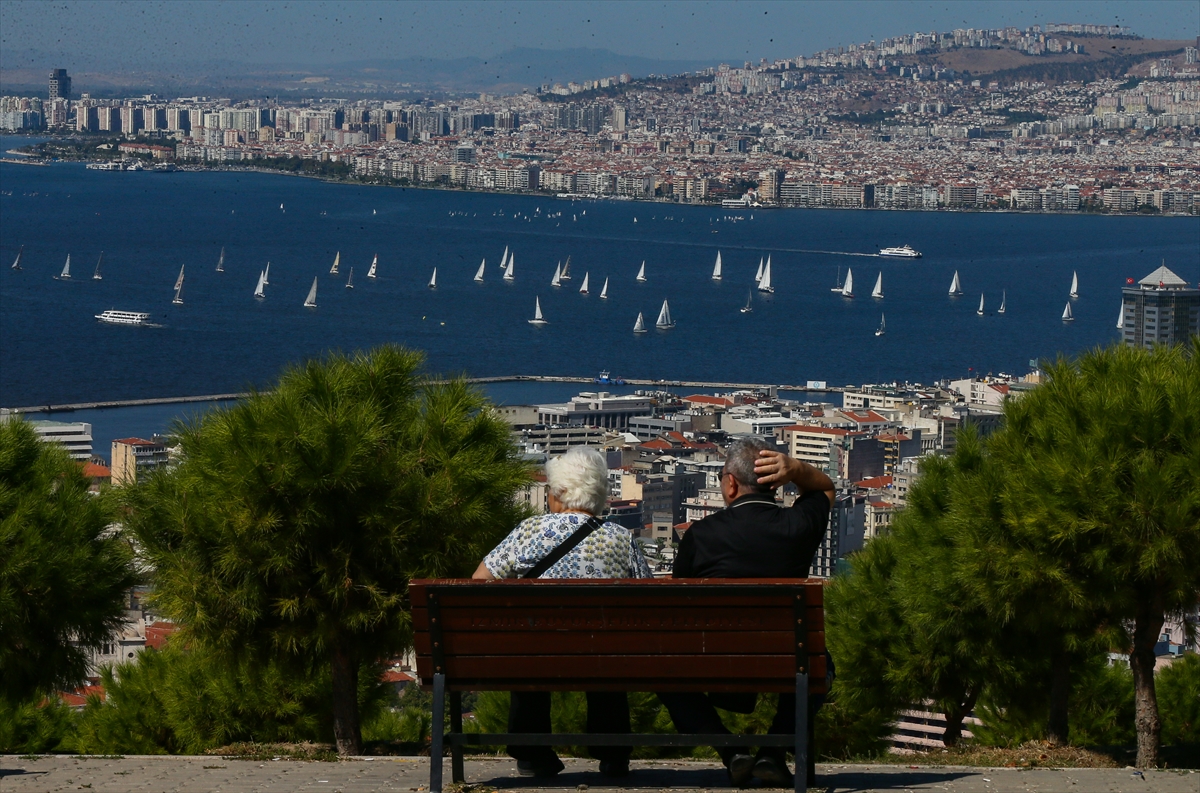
{"x":903,"y":252}
{"x":114,"y":317}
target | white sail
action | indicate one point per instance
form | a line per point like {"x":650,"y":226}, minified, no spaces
{"x":66,"y":270}
{"x":758,"y":275}
{"x":1074,"y":284}
{"x":311,"y":300}
{"x":178,"y":299}
{"x":1003,"y":302}
{"x":979,"y":310}
{"x":882,"y":326}
{"x":1067,"y":315}
{"x":877,"y":292}
{"x":837,"y":283}
{"x":641,"y":276}
{"x":267,"y":275}
{"x":96,"y":275}
{"x":262,"y":281}
{"x":504,"y":258}
{"x":557,"y":279}
{"x":337,"y":261}
{"x":479,"y":272}
{"x":764,"y":283}
{"x":583,"y":288}
{"x":179,"y":280}
{"x":565,"y":275}
{"x":509,"y":272}
{"x":16,"y":265}
{"x":848,"y":284}
{"x":350,"y":279}
{"x":664,"y":317}
{"x":1121,"y":318}
{"x":716,"y":276}
{"x":538,"y":319}
{"x":221,"y":261}
{"x":604,"y":290}
{"x":955,"y":286}
{"x":374,"y":266}
{"x":433,"y":279}
{"x":746,"y":309}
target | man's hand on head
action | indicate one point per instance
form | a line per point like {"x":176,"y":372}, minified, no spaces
{"x":775,"y":468}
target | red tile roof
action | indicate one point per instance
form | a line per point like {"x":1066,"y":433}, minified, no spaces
{"x":157,"y":633}
{"x":704,"y":399}
{"x":135,"y":442}
{"x":875,"y":483}
{"x":96,"y":471}
{"x":821,"y":430}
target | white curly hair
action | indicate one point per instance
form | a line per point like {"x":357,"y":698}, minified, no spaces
{"x":579,"y":479}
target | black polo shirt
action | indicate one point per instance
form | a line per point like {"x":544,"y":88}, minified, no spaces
{"x":755,"y":538}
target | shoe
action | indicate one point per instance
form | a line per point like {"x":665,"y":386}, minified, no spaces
{"x":773,"y":772}
{"x":540,"y":768}
{"x":741,"y":770}
{"x":614,"y":768}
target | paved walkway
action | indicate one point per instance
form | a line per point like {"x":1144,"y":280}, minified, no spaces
{"x":407,"y":774}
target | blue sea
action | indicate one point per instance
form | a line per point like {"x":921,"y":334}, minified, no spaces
{"x":224,"y":340}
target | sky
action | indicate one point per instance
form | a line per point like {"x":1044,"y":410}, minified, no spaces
{"x":112,"y":34}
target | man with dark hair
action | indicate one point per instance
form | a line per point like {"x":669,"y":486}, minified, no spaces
{"x":753,"y":537}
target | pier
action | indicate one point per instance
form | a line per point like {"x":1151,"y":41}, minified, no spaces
{"x":519,"y":378}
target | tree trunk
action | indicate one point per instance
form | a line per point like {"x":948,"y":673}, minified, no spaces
{"x":1058,"y":729}
{"x":954,"y":720}
{"x":1147,"y":627}
{"x":346,"y":731}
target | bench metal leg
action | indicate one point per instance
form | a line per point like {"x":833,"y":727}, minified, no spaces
{"x":437,"y":728}
{"x":802,"y":743}
{"x":456,"y":751}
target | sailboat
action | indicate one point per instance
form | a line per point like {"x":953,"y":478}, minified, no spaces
{"x":1003,"y":302}
{"x":955,"y":286}
{"x":1074,"y":293}
{"x":479,"y":272}
{"x":504,"y":258}
{"x":877,"y":292}
{"x":16,"y":265}
{"x":641,"y":276}
{"x":758,"y":275}
{"x":882,"y":326}
{"x":337,"y":261}
{"x":583,"y":288}
{"x":557,"y":279}
{"x":664,"y":318}
{"x":65,"y":275}
{"x":979,"y":310}
{"x":1067,"y":315}
{"x":96,"y":275}
{"x":848,"y":285}
{"x":178,"y":299}
{"x":221,"y":261}
{"x":1121,"y":318}
{"x":509,"y":274}
{"x":374,"y":266}
{"x":716,"y":276}
{"x":433,"y":279}
{"x":746,"y":309}
{"x":640,"y":325}
{"x":267,"y":275}
{"x":565,"y":275}
{"x":350,"y":279}
{"x":311,"y":300}
{"x":764,"y":283}
{"x":262,"y":282}
{"x":538,"y":319}
{"x":179,"y":280}
{"x":604,"y":290}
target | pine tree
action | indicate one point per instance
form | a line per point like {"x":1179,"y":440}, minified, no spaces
{"x":293,"y":524}
{"x":63,"y":579}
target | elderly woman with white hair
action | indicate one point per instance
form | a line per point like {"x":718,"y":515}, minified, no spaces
{"x":570,"y":541}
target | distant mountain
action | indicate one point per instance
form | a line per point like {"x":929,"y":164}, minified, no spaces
{"x":513,"y":70}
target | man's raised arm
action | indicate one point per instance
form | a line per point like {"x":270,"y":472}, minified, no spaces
{"x":775,"y":469}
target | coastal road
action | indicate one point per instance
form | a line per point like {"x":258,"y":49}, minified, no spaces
{"x":51,"y":774}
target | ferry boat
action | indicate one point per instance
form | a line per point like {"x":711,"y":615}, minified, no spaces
{"x":903,"y":252}
{"x":123,"y":317}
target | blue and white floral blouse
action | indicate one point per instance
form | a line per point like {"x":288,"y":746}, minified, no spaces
{"x":608,"y":552}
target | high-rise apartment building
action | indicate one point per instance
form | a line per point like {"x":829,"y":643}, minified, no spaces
{"x":131,"y":457}
{"x":60,"y":84}
{"x":1160,"y":309}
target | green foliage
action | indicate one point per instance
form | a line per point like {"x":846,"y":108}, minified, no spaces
{"x":188,"y":701}
{"x":1179,"y":699}
{"x":34,"y":727}
{"x":291,"y":528}
{"x":62,"y":580}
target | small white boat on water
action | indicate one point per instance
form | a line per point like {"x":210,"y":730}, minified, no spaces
{"x":65,"y":275}
{"x":374,"y":267}
{"x":350,"y":279}
{"x":664,"y":321}
{"x":337,"y":261}
{"x":746,"y":309}
{"x":640,"y":325}
{"x":641,"y":276}
{"x":979,"y":310}
{"x":1074,"y":293}
{"x":758,"y":275}
{"x":1067,"y":315}
{"x":114,"y":317}
{"x":583,"y":288}
{"x":433,"y":279}
{"x":877,"y":292}
{"x":882,"y":326}
{"x":96,"y":275}
{"x":16,"y":265}
{"x":1003,"y":302}
{"x":510,"y":273}
{"x":764,"y":283}
{"x":266,"y":275}
{"x":479,"y":272}
{"x":178,"y":300}
{"x":311,"y":300}
{"x":848,"y":285}
{"x":538,"y":319}
{"x":221,"y":261}
{"x":955,"y":286}
{"x":259,"y":290}
{"x":902,"y":252}
{"x":565,"y":275}
{"x":604,"y":290}
{"x":716,"y":274}
{"x":557,"y":279}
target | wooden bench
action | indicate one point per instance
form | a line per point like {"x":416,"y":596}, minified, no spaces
{"x":726,"y":635}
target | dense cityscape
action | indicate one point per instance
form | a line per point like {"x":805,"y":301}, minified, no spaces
{"x":871,"y":125}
